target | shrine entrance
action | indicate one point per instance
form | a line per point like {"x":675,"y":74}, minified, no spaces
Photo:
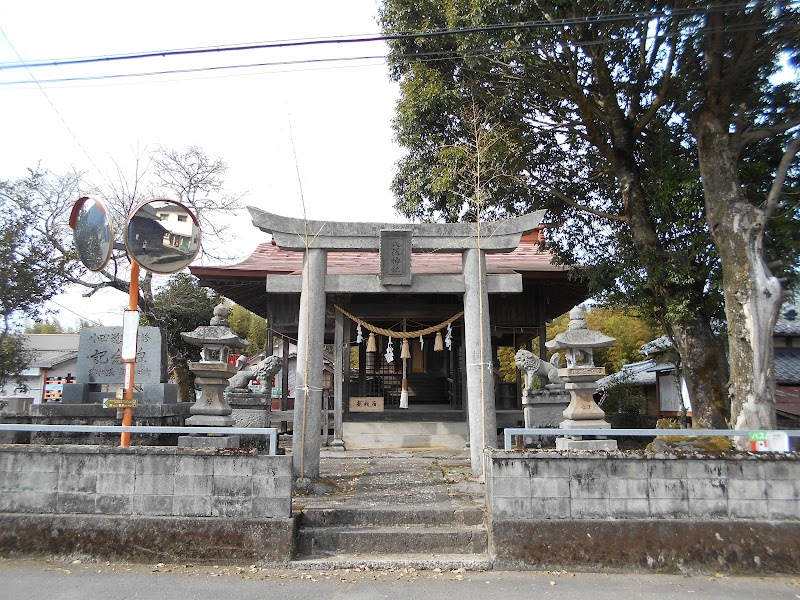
{"x":367,"y":293}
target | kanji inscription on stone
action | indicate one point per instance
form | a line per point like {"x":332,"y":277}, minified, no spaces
{"x":100,"y":358}
{"x":395,"y":252}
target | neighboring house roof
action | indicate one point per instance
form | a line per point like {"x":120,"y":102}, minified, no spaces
{"x":788,"y":322}
{"x":787,"y":401}
{"x":47,"y":359}
{"x":787,"y":365}
{"x":49,"y":350}
{"x":639,"y":373}
{"x":656,"y":346}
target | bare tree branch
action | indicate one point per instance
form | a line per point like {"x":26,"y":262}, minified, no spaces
{"x":598,"y":213}
{"x":756,"y":134}
{"x":773,"y":197}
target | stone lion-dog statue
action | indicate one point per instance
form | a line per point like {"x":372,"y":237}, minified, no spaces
{"x":263,"y":371}
{"x":531,"y":365}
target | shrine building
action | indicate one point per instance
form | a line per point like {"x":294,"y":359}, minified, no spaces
{"x":413,"y":314}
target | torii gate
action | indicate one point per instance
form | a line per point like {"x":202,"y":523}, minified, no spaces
{"x":395,"y":242}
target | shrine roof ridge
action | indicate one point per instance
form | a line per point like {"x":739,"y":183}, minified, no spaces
{"x":492,"y":236}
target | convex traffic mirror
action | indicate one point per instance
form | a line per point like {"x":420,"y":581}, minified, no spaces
{"x":93,"y":232}
{"x":162,"y":235}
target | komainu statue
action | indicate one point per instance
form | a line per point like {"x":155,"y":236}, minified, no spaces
{"x":263,"y":371}
{"x":531,"y":365}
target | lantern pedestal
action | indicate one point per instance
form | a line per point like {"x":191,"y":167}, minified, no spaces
{"x":580,"y":379}
{"x":212,"y":374}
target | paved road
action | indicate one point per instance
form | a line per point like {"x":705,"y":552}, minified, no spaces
{"x":54,"y":580}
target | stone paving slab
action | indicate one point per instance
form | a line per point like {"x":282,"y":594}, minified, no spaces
{"x":400,"y":478}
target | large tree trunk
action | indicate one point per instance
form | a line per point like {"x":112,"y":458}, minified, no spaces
{"x":704,"y":370}
{"x":752,"y":293}
{"x":702,"y":357}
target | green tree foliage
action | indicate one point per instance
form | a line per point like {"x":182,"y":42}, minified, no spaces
{"x":630,"y":331}
{"x":582,"y":100}
{"x":745,"y":116}
{"x":250,"y":327}
{"x":239,"y":320}
{"x":14,"y":358}
{"x":45,"y":326}
{"x":624,"y":399}
{"x":183,"y":305}
{"x":257,"y":332}
{"x":30,"y":273}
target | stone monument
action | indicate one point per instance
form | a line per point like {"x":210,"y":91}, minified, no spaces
{"x":99,"y":375}
{"x":212,"y":373}
{"x":580,"y":377}
{"x":101,"y":370}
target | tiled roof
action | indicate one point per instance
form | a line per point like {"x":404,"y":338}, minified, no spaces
{"x":639,"y":373}
{"x":268,"y":259}
{"x":787,"y":365}
{"x":787,"y":400}
{"x":47,"y":359}
{"x":655,"y":346}
{"x":788,"y":322}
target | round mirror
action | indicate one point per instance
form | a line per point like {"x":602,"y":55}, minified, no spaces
{"x":162,"y":235}
{"x":92,"y":232}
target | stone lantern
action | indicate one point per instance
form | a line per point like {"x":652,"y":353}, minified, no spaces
{"x":580,"y":377}
{"x":212,"y":373}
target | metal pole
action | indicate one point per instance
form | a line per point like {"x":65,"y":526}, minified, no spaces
{"x":130,"y":367}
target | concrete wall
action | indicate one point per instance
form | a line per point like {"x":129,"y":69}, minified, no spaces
{"x":552,"y":509}
{"x":146,"y":503}
{"x":146,"y":481}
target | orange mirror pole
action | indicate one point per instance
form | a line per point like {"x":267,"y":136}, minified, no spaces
{"x":130,"y":367}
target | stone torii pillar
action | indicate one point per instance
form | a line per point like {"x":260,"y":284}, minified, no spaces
{"x":308,"y":382}
{"x":395,"y":242}
{"x":480,"y":372}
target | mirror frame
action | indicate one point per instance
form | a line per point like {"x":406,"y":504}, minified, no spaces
{"x":73,"y":223}
{"x":134,"y":254}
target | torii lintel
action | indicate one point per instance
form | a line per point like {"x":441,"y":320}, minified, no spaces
{"x":491,"y":236}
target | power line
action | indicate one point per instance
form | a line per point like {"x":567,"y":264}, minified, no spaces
{"x":198,"y":70}
{"x":541,"y":24}
{"x":424,"y":56}
{"x":50,"y":102}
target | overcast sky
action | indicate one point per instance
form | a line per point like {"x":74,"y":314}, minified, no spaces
{"x":338,"y":113}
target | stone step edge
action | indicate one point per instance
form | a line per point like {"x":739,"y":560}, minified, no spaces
{"x":389,"y":562}
{"x":387,"y":517}
{"x":391,"y":529}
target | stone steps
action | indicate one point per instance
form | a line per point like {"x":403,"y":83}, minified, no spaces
{"x":387,"y":538}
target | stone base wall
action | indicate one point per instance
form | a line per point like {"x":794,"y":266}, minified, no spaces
{"x":153,"y":415}
{"x":559,"y":509}
{"x":670,"y":546}
{"x":149,"y":539}
{"x":144,"y":481}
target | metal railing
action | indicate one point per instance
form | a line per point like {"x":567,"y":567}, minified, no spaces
{"x":511,"y":432}
{"x":272,"y":432}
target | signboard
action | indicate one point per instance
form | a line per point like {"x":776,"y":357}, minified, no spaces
{"x":769,"y":441}
{"x":366,"y":404}
{"x":120,"y":402}
{"x":130,"y":329}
